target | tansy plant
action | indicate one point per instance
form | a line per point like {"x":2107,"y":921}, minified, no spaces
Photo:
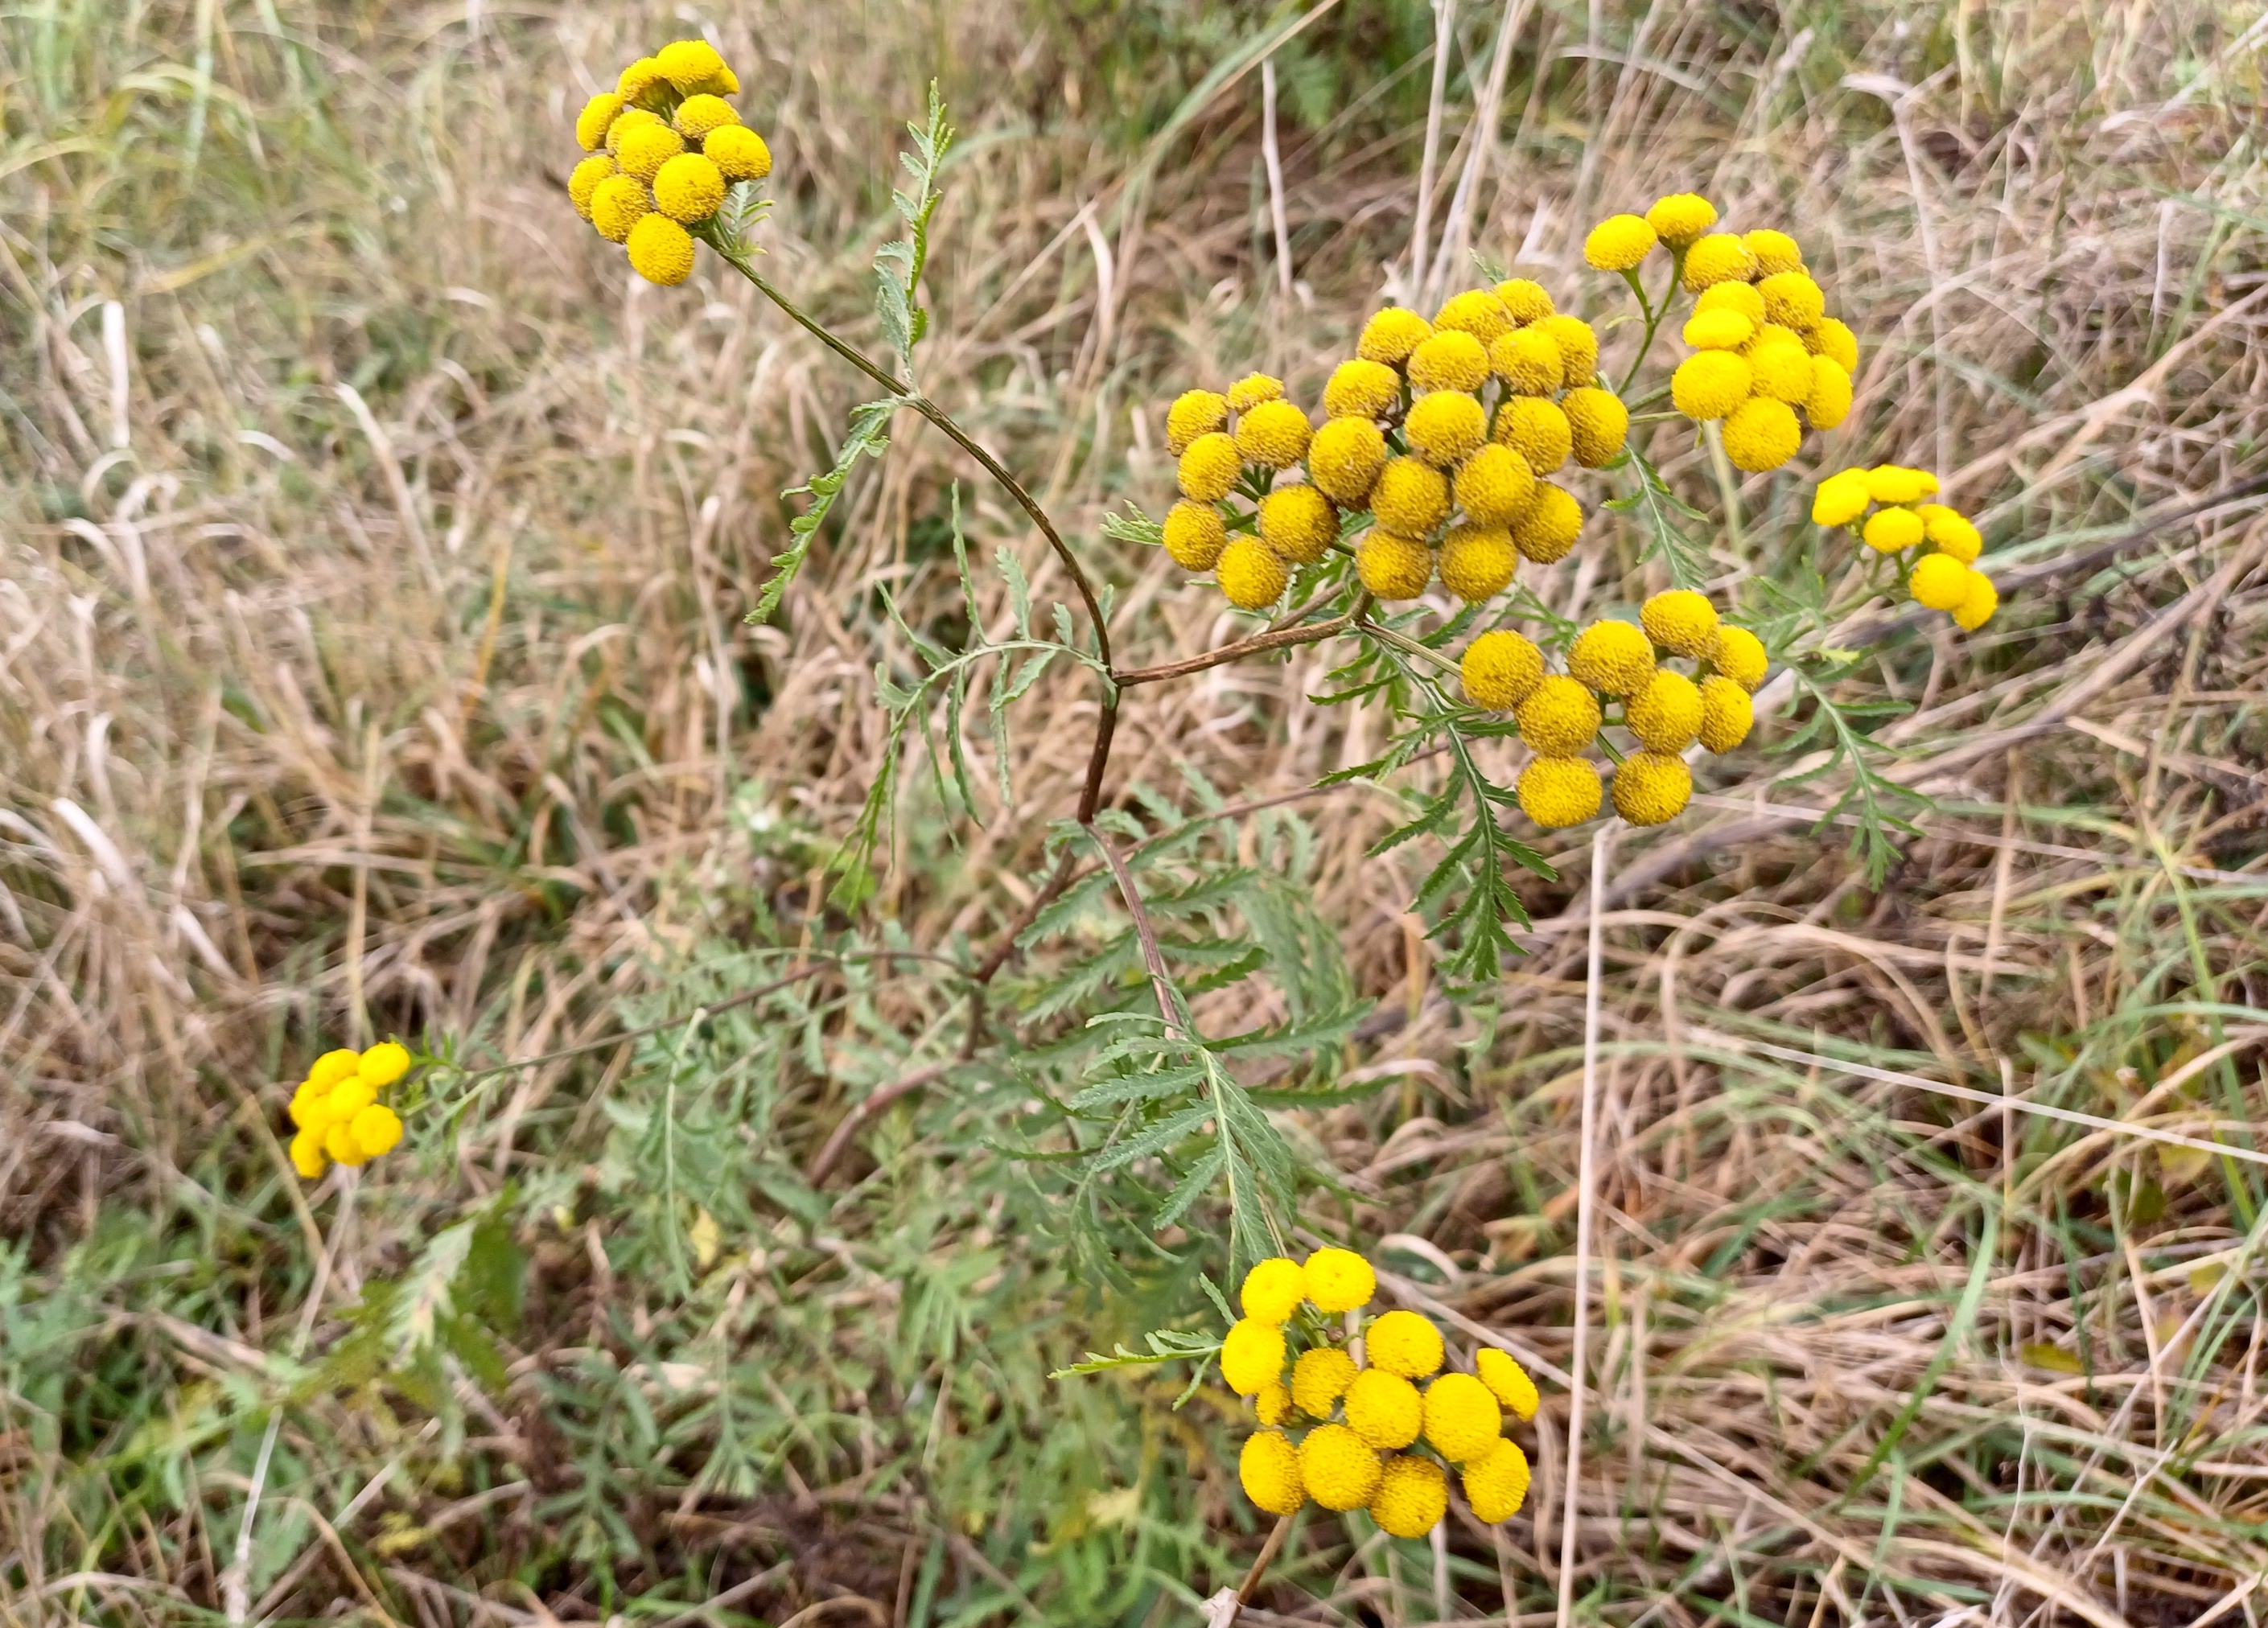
{"x":1406,"y":518}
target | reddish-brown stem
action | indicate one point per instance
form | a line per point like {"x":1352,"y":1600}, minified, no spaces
{"x":1279,"y":639}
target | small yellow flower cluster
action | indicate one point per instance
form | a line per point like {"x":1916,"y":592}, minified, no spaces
{"x":1560,"y":714}
{"x":1364,"y":1457}
{"x":337,"y":1111}
{"x":1444,"y":430}
{"x":1944,"y":579}
{"x":1764,"y":349}
{"x":664,"y":146}
{"x":1234,"y":443}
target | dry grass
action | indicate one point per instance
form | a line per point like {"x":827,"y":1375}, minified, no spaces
{"x":371,"y":659}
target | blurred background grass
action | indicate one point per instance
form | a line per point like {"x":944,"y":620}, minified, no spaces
{"x":371,"y":661}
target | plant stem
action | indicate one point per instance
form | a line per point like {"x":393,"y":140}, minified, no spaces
{"x":945,"y":422}
{"x":1408,"y":646}
{"x":1275,"y":638}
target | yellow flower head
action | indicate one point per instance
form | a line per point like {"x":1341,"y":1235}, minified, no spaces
{"x":1740,"y":655}
{"x":1360,"y":389}
{"x":1494,"y":487}
{"x":1253,"y":388}
{"x":339,"y":1142}
{"x":1477,"y":311}
{"x":1599,"y":424}
{"x":661,"y":250}
{"x":1940,"y":582}
{"x":1343,"y":458}
{"x":333,"y":1067}
{"x":1269,"y":1470}
{"x":1506,"y":1380}
{"x":1841,"y":498}
{"x":617,"y":205}
{"x":1496,"y":1482}
{"x":1792,"y":299}
{"x":1194,"y":413}
{"x":639,"y":77}
{"x":1404,"y":1343}
{"x":1383,"y":1408}
{"x":1558,"y":719}
{"x":697,"y":115}
{"x":1578,"y":347}
{"x":598,"y":113}
{"x":307,"y":1157}
{"x":646,"y":148}
{"x":1338,"y":1468}
{"x":1719,"y":330}
{"x":1978,"y":604}
{"x":1501,"y":669}
{"x":1251,"y":574}
{"x":1462,"y":1418}
{"x":1339,"y":1280}
{"x":739,"y":152}
{"x":1732,"y":295}
{"x":1726,"y":713}
{"x":1412,"y":1496}
{"x":1829,"y":401}
{"x":1194,"y":535}
{"x":1619,"y":242}
{"x":1761,"y":433}
{"x":1525,"y":300}
{"x":1711,"y":383}
{"x":1529,"y":362}
{"x":377,"y":1130}
{"x":1298,"y":523}
{"x":1666,"y":715}
{"x":1893,"y":483}
{"x":1273,"y":1405}
{"x":1830,"y":337}
{"x":1272,"y":434}
{"x":1775,"y":252}
{"x":629,"y":119}
{"x":1782,"y":370}
{"x":1559,"y":792}
{"x":1614,"y":658}
{"x":383,"y":1064}
{"x":1411,"y":498}
{"x":689,"y":189}
{"x":1392,"y":567}
{"x":689,"y":64}
{"x":1682,"y":620}
{"x":1720,"y":257}
{"x":1653,"y":787}
{"x":582,"y":181}
{"x":1273,"y":1290}
{"x":1319,"y":1378}
{"x":1209,"y":468}
{"x":1477,"y":561}
{"x":1251,"y":1355}
{"x":348,"y":1098}
{"x":1889,"y":531}
{"x":1445,"y":427}
{"x":1451,"y":360}
{"x":1537,"y":429}
{"x":1952,"y":533}
{"x":311,"y":1109}
{"x":1549,"y":527}
{"x":1391,"y":335}
{"x":1681,"y":218}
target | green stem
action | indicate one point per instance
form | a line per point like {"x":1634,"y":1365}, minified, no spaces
{"x":1407,"y":645}
{"x":944,"y":421}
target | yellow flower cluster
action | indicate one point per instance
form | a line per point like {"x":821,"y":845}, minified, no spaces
{"x":1444,"y":431}
{"x":1560,"y":714}
{"x":1884,"y":505}
{"x":1233,"y":445}
{"x":1764,"y":349}
{"x":337,"y":1111}
{"x":664,"y":147}
{"x":1369,"y":1415}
